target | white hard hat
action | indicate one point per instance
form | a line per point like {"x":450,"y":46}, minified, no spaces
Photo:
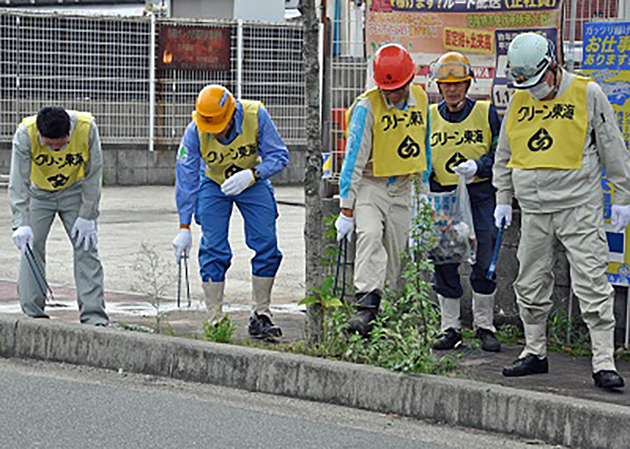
{"x":529,"y":56}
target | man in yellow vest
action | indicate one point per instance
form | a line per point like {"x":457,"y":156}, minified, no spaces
{"x":227,"y":155}
{"x":558,"y":132}
{"x":387,"y":145}
{"x":464,"y":134}
{"x":57,"y":168}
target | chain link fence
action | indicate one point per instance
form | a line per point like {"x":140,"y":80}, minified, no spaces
{"x":102,"y":65}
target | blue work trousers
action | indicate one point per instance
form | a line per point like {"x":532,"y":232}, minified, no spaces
{"x":258,"y":207}
{"x":447,"y":282}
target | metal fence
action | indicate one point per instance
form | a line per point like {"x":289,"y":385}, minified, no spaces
{"x":103,"y":65}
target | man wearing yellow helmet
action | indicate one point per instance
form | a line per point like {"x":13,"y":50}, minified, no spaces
{"x":227,"y":155}
{"x":463,"y":139}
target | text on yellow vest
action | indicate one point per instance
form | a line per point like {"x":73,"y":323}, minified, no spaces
{"x":398,"y":136}
{"x":59,"y":169}
{"x":454,"y":143}
{"x":222,"y":161}
{"x":548,"y":134}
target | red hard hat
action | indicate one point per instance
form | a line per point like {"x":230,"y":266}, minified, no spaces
{"x":393,"y":67}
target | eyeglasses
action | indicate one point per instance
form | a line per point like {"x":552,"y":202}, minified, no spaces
{"x":522,"y":74}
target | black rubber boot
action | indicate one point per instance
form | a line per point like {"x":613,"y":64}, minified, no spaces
{"x":367,"y":309}
{"x":261,"y":327}
{"x":489,"y":341}
{"x":450,"y":339}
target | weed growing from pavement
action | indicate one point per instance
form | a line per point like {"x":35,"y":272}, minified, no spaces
{"x":153,"y":278}
{"x":220,"y":332}
{"x":407,"y":322}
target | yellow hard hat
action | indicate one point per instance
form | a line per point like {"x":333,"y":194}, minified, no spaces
{"x":452,"y":67}
{"x":214,"y":108}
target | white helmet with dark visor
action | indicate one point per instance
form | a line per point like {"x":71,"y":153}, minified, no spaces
{"x":529,"y":56}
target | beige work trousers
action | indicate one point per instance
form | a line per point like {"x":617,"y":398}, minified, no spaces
{"x":88,"y":271}
{"x":382,"y":226}
{"x":581,"y":231}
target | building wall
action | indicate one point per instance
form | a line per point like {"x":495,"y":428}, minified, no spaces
{"x":129,"y":166}
{"x":202,"y":9}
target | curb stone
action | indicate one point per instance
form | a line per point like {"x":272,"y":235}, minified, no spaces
{"x":550,"y":418}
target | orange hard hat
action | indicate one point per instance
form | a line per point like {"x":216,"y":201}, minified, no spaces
{"x":452,"y":67}
{"x":393,"y":67}
{"x":214,"y":108}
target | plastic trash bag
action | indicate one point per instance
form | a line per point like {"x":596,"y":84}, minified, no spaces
{"x":454,"y":228}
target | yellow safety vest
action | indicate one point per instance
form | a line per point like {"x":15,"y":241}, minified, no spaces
{"x":58,"y":170}
{"x":454,"y":143}
{"x":398,"y":136}
{"x":222,"y":161}
{"x":548,"y":134}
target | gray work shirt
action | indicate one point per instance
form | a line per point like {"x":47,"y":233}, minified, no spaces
{"x":21,"y":189}
{"x":549,"y":191}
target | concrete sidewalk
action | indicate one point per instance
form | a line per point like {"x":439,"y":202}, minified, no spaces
{"x":562,"y":407}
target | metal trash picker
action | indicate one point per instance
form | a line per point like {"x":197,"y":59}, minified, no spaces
{"x":183,"y":258}
{"x":491,"y":270}
{"x":38,"y":273}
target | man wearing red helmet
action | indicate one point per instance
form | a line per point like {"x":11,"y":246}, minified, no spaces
{"x":387,"y":145}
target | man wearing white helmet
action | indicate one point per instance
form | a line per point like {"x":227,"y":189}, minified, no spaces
{"x":559,"y":130}
{"x":387,"y":144}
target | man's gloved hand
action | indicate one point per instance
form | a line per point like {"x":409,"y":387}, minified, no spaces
{"x":619,"y":217}
{"x":238,"y":182}
{"x":467,"y":170}
{"x":23,"y":236}
{"x":182,"y":243}
{"x":503,"y":211}
{"x":345,"y":226}
{"x":85,"y":233}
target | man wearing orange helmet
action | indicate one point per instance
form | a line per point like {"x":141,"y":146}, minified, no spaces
{"x":464,"y":135}
{"x":387,"y":145}
{"x":227,"y":155}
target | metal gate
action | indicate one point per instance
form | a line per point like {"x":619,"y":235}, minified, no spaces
{"x":103,"y":65}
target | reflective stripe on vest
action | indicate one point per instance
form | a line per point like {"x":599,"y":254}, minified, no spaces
{"x":548,"y":134}
{"x":58,"y":170}
{"x":454,"y":143}
{"x":222,"y":161}
{"x":398,"y":146}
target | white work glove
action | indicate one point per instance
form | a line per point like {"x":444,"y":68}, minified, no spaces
{"x":503,"y":211}
{"x":23,"y":236}
{"x":467,"y":170}
{"x":85,"y":233}
{"x":345,"y":226}
{"x":238,"y":182}
{"x":619,"y":217}
{"x":182,"y":243}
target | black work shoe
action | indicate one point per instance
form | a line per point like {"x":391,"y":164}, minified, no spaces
{"x":450,"y":339}
{"x":260,"y":326}
{"x":531,"y":364}
{"x":608,"y":379}
{"x":488,"y":341}
{"x":367,"y":309}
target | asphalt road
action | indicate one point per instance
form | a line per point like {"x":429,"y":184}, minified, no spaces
{"x":62,"y":406}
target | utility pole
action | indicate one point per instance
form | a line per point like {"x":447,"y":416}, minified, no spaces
{"x":313,"y":228}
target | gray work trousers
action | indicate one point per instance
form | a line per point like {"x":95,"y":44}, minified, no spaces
{"x":88,"y":271}
{"x":581,"y":232}
{"x":382,"y":224}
